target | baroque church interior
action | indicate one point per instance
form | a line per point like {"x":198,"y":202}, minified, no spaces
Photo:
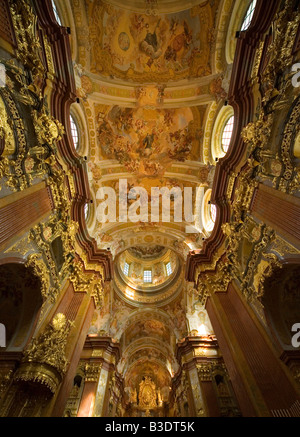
{"x":149,"y":208}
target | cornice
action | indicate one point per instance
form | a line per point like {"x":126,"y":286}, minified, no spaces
{"x":62,"y":97}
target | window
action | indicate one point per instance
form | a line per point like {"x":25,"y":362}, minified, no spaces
{"x":227,"y":134}
{"x":169,"y":268}
{"x":209,"y":213}
{"x":126,"y":269}
{"x":57,"y":17}
{"x":213,"y":213}
{"x":147,"y":276}
{"x":74,"y":132}
{"x":248,"y":16}
{"x":86,"y":211}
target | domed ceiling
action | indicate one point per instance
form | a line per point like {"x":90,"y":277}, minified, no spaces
{"x":151,"y":77}
{"x":148,"y":274}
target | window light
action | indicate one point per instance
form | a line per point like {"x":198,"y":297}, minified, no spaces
{"x":227,"y":134}
{"x":147,"y":276}
{"x":248,"y":16}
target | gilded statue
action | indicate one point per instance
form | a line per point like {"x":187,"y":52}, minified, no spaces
{"x":147,"y":394}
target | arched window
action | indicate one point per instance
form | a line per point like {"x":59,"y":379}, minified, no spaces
{"x":222,"y":132}
{"x":213,"y":213}
{"x":74,"y":132}
{"x":227,"y":134}
{"x":126,"y":269}
{"x":249,"y":15}
{"x":57,"y":17}
{"x":209,"y":213}
{"x":86,"y":211}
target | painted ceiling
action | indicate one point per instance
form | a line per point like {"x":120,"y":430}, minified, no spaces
{"x":142,"y":46}
{"x":151,"y":76}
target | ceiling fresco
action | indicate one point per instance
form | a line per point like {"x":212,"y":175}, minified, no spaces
{"x":140,"y":46}
{"x":147,"y":140}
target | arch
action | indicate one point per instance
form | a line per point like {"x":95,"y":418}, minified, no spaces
{"x":78,"y":116}
{"x":66,"y":16}
{"x":208,"y":219}
{"x":20,"y":303}
{"x":224,"y":16}
{"x":237,"y":17}
{"x":281,"y":302}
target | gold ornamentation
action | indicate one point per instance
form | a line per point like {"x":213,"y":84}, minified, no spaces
{"x":40,"y":270}
{"x":29,"y":48}
{"x":12,"y":168}
{"x":264,"y":270}
{"x":97,"y":294}
{"x":6,"y":131}
{"x":230,"y":185}
{"x":44,"y":360}
{"x":5,"y":378}
{"x":204,"y":371}
{"x":40,"y":374}
{"x":21,"y":246}
{"x":87,"y":282}
{"x":282,"y":247}
{"x":47,"y":128}
{"x":213,"y":282}
{"x":49,"y":347}
{"x":147,"y":394}
{"x":290,"y":180}
{"x":97,"y":353}
{"x":50,"y":63}
{"x":92,"y":371}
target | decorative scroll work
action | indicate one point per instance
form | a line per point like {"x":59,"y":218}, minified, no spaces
{"x":29,"y":47}
{"x":45,"y":360}
{"x":87,"y":282}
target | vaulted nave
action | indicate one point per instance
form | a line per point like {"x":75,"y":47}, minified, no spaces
{"x":149,"y":208}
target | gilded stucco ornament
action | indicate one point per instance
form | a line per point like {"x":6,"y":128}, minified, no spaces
{"x":265,"y":269}
{"x":87,"y":282}
{"x":6,"y":132}
{"x":277,"y":166}
{"x":210,"y":283}
{"x":28,"y":44}
{"x":48,"y":130}
{"x":44,"y":359}
{"x":37,"y":264}
{"x":147,"y":394}
{"x":290,"y":181}
{"x":205,"y":371}
{"x":92,"y":372}
{"x":252,"y":274}
{"x":12,"y":131}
